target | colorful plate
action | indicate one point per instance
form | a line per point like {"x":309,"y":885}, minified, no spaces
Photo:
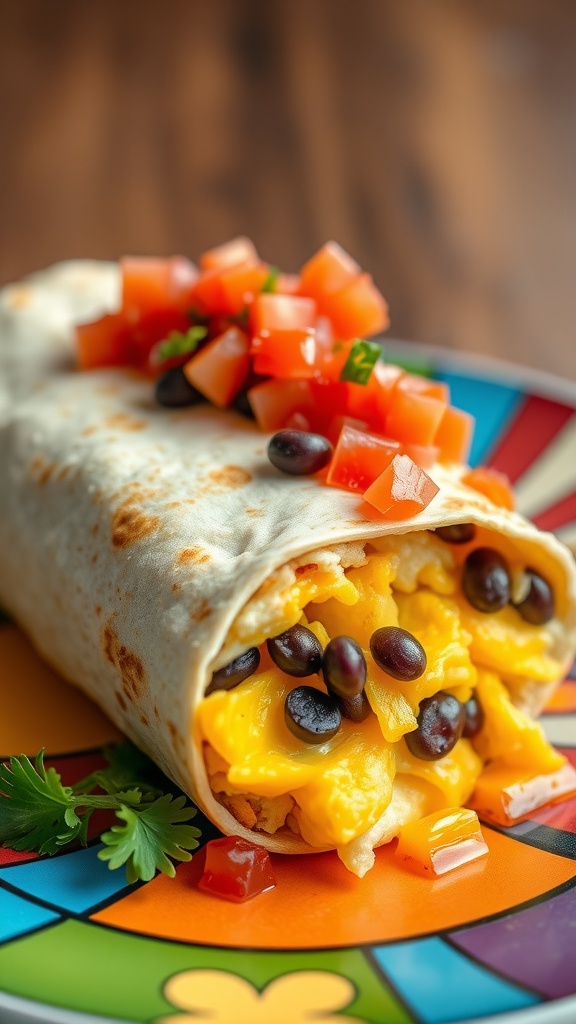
{"x":77,"y":944}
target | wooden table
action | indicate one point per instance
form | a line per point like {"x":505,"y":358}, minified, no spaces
{"x":435,"y":139}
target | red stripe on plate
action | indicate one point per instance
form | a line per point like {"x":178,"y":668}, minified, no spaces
{"x":563,"y":512}
{"x":534,"y":427}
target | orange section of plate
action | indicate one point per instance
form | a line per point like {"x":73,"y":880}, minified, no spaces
{"x":388,"y":904}
{"x":39,"y":709}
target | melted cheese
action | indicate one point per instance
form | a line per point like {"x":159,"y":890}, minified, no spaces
{"x":342,"y":788}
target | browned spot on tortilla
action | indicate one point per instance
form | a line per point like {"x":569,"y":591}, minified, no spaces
{"x":255,"y":512}
{"x":127,"y":663}
{"x":122,"y":421}
{"x":131,"y":524}
{"x":176,"y":587}
{"x":144,"y":719}
{"x":156,"y":712}
{"x":45,"y":474}
{"x":230,"y":477}
{"x":98,"y":610}
{"x":40,"y":469}
{"x":107,"y":389}
{"x":95,"y":529}
{"x":63,"y":472}
{"x":94,"y":558}
{"x":192,"y":556}
{"x":17,"y":298}
{"x":88,"y":431}
{"x":121,"y":700}
{"x":202,"y":612}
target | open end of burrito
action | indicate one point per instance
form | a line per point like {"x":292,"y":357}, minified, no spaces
{"x":354,"y":791}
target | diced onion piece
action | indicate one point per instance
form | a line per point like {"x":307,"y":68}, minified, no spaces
{"x":454,"y":435}
{"x":414,"y":417}
{"x":441,"y":841}
{"x":237,"y":250}
{"x":402,"y":490}
{"x":219,"y":370}
{"x":150,"y":284}
{"x":275,"y":401}
{"x":359,"y":459}
{"x":493,"y":485}
{"x":505,"y":795}
{"x":358,"y":310}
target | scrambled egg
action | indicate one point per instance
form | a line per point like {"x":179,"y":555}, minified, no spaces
{"x":334,"y":792}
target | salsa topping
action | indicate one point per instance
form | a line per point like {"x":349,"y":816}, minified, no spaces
{"x":236,"y":869}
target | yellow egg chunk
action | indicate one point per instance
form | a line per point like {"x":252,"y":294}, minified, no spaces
{"x":508,"y":734}
{"x":393,"y":710}
{"x":435,"y":622}
{"x":454,"y":775}
{"x":441,"y":842}
{"x":351,"y":791}
{"x":420,"y":560}
{"x":375,"y":606}
{"x":505,"y":643}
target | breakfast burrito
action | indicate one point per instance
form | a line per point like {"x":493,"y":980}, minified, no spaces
{"x":312,"y":675}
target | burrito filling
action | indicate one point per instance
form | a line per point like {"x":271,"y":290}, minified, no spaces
{"x":368,"y":685}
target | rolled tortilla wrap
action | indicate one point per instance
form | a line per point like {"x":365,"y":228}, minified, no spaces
{"x":134,"y":540}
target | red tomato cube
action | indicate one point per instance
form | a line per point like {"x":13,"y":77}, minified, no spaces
{"x":454,"y":435}
{"x":237,"y":250}
{"x":424,"y":386}
{"x":220,"y":369}
{"x":105,"y":342}
{"x":275,"y":401}
{"x":402,"y":490}
{"x":286,"y":354}
{"x":337,"y":424}
{"x":328,"y":271}
{"x":359,"y":459}
{"x":358,"y":310}
{"x":414,"y":418}
{"x":236,"y":870}
{"x":424,"y":455}
{"x":272,"y":312}
{"x":150,"y":284}
{"x":240,"y":284}
{"x":493,"y":485}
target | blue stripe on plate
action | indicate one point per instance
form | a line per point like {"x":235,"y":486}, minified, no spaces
{"x":74,"y":881}
{"x":441,"y":985}
{"x":492,"y":405}
{"x":18,"y":916}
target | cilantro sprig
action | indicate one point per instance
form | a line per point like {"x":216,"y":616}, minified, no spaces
{"x":40,"y":814}
{"x":179,"y":344}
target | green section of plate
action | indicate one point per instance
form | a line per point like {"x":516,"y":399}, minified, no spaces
{"x":93,"y":969}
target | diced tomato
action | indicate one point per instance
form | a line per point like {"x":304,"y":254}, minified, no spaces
{"x":207,"y":294}
{"x":298,"y":421}
{"x":238,"y":250}
{"x":330,"y":399}
{"x":454,"y":435}
{"x":287,"y":284}
{"x":219,"y":370}
{"x":424,"y":455}
{"x":236,"y":869}
{"x":424,"y":386}
{"x":358,"y":310}
{"x":441,"y":841}
{"x":286,"y":354}
{"x":330,"y":270}
{"x":150,"y":284}
{"x":359,"y":459}
{"x":271,"y":312}
{"x":385,"y":378}
{"x":106,"y":342}
{"x":414,"y":418}
{"x":275,"y":401}
{"x":331,"y":354}
{"x":337,"y":424}
{"x":240,"y":284}
{"x":152,"y":328}
{"x":402,"y":490}
{"x":494,"y":485}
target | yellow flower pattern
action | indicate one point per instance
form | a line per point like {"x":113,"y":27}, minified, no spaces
{"x":303,"y":997}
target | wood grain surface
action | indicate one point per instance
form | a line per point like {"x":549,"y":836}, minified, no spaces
{"x":435,"y":139}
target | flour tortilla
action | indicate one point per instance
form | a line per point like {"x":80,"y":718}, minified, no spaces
{"x":131,"y":536}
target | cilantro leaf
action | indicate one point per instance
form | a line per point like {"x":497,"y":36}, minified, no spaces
{"x":37,"y":812}
{"x":178,"y":344}
{"x":361,"y":361}
{"x":150,"y":836}
{"x":271,"y":282}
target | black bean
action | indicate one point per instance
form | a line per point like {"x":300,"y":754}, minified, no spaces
{"x":356,"y":708}
{"x":486,"y":580}
{"x":538,"y":606}
{"x":344,"y":667}
{"x":459,"y":533}
{"x":297,"y":651}
{"x":242,"y":405}
{"x":474,"y":718}
{"x":440,"y":724}
{"x":299,"y":453}
{"x":398,"y":652}
{"x":311,"y":715}
{"x":173,"y":389}
{"x":229,"y":676}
